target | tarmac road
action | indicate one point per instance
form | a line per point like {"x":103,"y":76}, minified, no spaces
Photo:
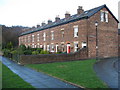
{"x":107,"y":70}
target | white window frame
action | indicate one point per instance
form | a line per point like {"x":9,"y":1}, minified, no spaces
{"x":52,"y":35}
{"x":76,"y":31}
{"x":104,"y":16}
{"x":52,"y":47}
{"x":28,"y":39}
{"x":84,"y":44}
{"x":33,"y":38}
{"x":25,"y":39}
{"x":75,"y":46}
{"x":38,"y":37}
{"x":44,"y":36}
{"x":44,"y":47}
{"x":33,"y":45}
{"x":38,"y":45}
{"x":41,"y":46}
{"x":62,"y":32}
{"x":48,"y":47}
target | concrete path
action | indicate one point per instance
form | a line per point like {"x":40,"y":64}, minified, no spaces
{"x":106,"y":70}
{"x":36,"y":79}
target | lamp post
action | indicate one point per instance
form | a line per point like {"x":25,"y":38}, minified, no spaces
{"x":96,"y":24}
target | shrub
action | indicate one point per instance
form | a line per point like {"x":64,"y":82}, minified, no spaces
{"x":22,"y":47}
{"x":7,"y":53}
{"x":14,"y":52}
{"x":35,"y":52}
{"x":9,"y":45}
{"x":39,"y":50}
{"x":28,"y":52}
{"x":44,"y":52}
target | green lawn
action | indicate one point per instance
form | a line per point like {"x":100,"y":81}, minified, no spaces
{"x":78,"y":72}
{"x":11,"y":80}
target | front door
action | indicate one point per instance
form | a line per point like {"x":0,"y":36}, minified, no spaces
{"x":68,"y":48}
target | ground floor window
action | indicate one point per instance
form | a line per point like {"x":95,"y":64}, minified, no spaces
{"x":62,"y":47}
{"x":44,"y":47}
{"x":38,"y":45}
{"x":48,"y":47}
{"x":84,"y":45}
{"x":33,"y":46}
{"x":52,"y":48}
{"x":41,"y":46}
{"x":75,"y":46}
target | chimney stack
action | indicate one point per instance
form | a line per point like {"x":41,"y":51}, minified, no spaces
{"x":80,"y":10}
{"x":38,"y":26}
{"x":67,"y":14}
{"x":43,"y":23}
{"x":49,"y":21}
{"x":57,"y":18}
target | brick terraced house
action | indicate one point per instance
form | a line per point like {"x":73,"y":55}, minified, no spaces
{"x":95,"y":29}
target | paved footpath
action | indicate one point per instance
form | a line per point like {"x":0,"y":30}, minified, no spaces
{"x":36,"y":79}
{"x":106,"y":70}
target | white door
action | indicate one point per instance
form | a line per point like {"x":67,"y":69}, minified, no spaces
{"x":56,"y":48}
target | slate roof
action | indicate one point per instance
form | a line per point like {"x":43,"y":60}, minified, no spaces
{"x":84,"y":15}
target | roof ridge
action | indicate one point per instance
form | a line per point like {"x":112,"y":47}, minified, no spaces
{"x":72,"y":18}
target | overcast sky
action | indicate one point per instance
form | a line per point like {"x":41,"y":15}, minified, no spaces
{"x":33,"y":12}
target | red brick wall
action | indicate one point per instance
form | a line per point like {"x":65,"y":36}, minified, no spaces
{"x":68,"y":35}
{"x":119,"y":45}
{"x":46,"y":58}
{"x":107,"y":36}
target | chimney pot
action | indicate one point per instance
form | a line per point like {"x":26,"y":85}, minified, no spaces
{"x":43,"y":23}
{"x":67,"y":14}
{"x":38,"y":26}
{"x":49,"y":21}
{"x":80,"y":10}
{"x":57,"y":18}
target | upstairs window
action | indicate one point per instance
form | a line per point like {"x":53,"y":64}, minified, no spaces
{"x":52,"y":35}
{"x":104,"y":16}
{"x":44,"y":36}
{"x":62,"y":33}
{"x":28,"y":39}
{"x":75,"y":31}
{"x":33,"y":37}
{"x":38,"y":37}
{"x":25,"y":39}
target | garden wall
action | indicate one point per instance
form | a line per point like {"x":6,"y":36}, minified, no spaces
{"x":46,"y":58}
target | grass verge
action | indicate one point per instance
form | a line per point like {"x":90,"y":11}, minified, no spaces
{"x":11,"y":80}
{"x":78,"y":72}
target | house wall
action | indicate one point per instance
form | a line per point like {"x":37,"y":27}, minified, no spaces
{"x":107,"y":36}
{"x":58,"y":39}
